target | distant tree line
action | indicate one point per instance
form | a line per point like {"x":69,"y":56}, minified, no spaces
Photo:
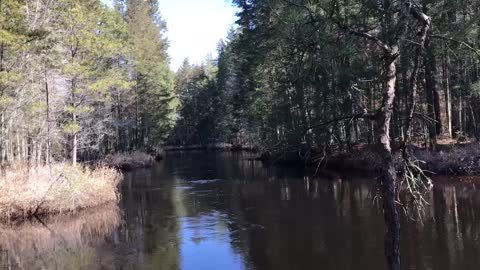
{"x":79,"y":80}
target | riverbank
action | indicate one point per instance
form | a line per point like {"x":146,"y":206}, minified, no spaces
{"x":130,"y":161}
{"x":455,"y":159}
{"x":211,"y":147}
{"x":40,"y":190}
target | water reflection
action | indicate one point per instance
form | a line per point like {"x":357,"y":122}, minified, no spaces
{"x":222,"y":211}
{"x":63,"y":242}
{"x":231,"y":213}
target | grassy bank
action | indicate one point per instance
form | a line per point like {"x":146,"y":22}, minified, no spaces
{"x":27,"y":191}
{"x":129,"y":161}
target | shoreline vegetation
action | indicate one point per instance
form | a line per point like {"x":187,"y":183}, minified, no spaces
{"x":447,"y":159}
{"x":40,"y":190}
{"x":29,"y":191}
{"x":79,"y":80}
{"x":212,"y":147}
{"x":131,"y":161}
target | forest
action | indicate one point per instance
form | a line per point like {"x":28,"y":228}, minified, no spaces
{"x":313,"y":73}
{"x":393,"y":82}
{"x":318,"y":78}
{"x":80,"y":80}
{"x":85,"y":89}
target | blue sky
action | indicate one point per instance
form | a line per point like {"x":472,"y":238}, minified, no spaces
{"x":195,"y":27}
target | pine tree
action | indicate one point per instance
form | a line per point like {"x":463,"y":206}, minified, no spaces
{"x":13,"y":36}
{"x":155,"y":103}
{"x":93,"y":52}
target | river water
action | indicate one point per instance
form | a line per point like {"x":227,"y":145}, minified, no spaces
{"x":223,"y":211}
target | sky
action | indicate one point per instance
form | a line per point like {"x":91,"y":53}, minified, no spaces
{"x":195,"y":27}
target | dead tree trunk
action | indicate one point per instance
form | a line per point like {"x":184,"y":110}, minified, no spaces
{"x":388,"y":174}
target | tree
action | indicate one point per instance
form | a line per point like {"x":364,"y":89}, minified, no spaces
{"x":155,"y":104}
{"x":80,"y":80}
{"x":321,"y":76}
{"x":12,"y":38}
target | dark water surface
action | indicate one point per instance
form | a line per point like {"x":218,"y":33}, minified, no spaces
{"x":221,"y":211}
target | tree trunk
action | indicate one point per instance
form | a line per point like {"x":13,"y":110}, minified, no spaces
{"x":446,"y":86}
{"x":432,"y":132}
{"x":388,"y":173}
{"x":436,"y":91}
{"x":460,"y":113}
{"x":47,"y":100}
{"x":3,"y":137}
{"x":74,"y":149}
{"x":2,"y":88}
{"x":474,"y":122}
{"x":74,"y":139}
{"x":136,"y":133}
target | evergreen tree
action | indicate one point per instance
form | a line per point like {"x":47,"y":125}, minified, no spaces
{"x":12,"y":39}
{"x":155,"y":103}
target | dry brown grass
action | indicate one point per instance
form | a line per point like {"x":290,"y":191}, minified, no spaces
{"x":25,"y":191}
{"x":129,"y":161}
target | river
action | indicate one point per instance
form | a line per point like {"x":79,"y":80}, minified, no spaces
{"x":223,"y":211}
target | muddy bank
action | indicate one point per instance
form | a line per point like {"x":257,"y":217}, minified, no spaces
{"x":212,"y":147}
{"x":445,"y":160}
{"x":128,"y":161}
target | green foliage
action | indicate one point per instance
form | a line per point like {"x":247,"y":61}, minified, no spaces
{"x":293,"y":65}
{"x":80,"y":75}
{"x":153,"y":78}
{"x":72,"y":128}
{"x":476,"y":89}
{"x":6,"y":101}
{"x":38,"y":107}
{"x":12,"y":25}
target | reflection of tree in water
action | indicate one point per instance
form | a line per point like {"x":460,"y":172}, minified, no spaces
{"x":266,"y":210}
{"x":151,"y":226}
{"x":279,"y":219}
{"x":159,"y":202}
{"x":311,"y":227}
{"x":74,"y":241}
{"x":274,"y":218}
{"x":448,"y":237}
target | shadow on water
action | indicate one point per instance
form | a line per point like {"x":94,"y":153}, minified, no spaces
{"x":221,"y":211}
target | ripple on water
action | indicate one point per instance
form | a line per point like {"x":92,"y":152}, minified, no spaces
{"x":204,"y":181}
